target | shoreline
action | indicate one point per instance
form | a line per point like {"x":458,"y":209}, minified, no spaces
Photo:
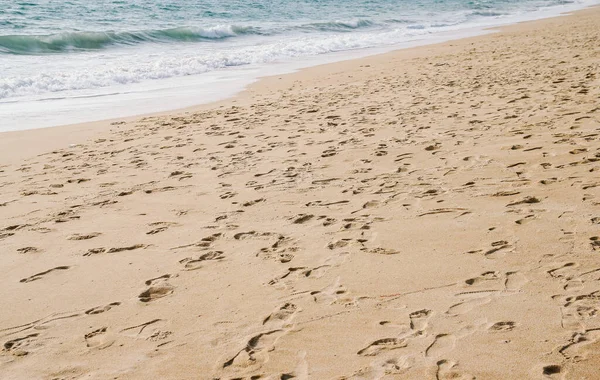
{"x":17,"y":145}
{"x":175,"y":93}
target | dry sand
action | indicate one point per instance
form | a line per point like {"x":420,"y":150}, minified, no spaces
{"x":432,"y":213}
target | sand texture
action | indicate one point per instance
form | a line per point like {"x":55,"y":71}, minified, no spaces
{"x":427,"y":214}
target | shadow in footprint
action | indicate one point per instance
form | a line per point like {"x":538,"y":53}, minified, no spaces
{"x":159,"y":288}
{"x":38,"y":276}
{"x":442,"y":344}
{"x":380,"y":345}
{"x":190,"y":263}
{"x":102,"y":309}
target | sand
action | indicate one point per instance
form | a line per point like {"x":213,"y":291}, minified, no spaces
{"x":431,"y":213}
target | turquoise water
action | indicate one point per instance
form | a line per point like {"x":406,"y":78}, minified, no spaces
{"x":53,"y":49}
{"x":50,"y":26}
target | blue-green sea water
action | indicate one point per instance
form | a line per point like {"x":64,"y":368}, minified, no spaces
{"x":57,"y":49}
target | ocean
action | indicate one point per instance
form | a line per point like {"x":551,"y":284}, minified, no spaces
{"x":81,"y":60}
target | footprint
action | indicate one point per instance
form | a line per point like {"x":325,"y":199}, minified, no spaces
{"x":498,"y":250}
{"x":515,"y":281}
{"x":563,"y":271}
{"x":595,"y":242}
{"x":442,"y":344}
{"x":574,"y":285}
{"x":381,"y":345}
{"x":419,"y":319}
{"x":94,"y":251}
{"x":190,"y":263}
{"x":488,"y":278}
{"x":526,"y":200}
{"x":155,"y":330}
{"x":329,"y":153}
{"x":158,"y":279}
{"x":524,"y":220}
{"x":332,"y":261}
{"x":245,"y":235}
{"x":581,"y":344}
{"x":331,"y":294}
{"x":448,"y":370}
{"x":4,"y":235}
{"x":395,"y":366}
{"x":339,"y":243}
{"x":98,"y":339}
{"x":252,"y":203}
{"x":282,"y":250}
{"x":159,"y":288}
{"x":301,"y":271}
{"x":144,"y":330}
{"x":255,"y":351}
{"x":204,"y":243}
{"x":578,"y":308}
{"x":157,"y":230}
{"x":381,"y":251}
{"x":129,"y":248}
{"x":379,"y":369}
{"x":157,"y":335}
{"x":26,"y":250}
{"x":397,"y":326}
{"x":38,"y":276}
{"x":484,"y":277}
{"x":503,"y":326}
{"x":302,"y":218}
{"x":160,"y":189}
{"x":84,"y":236}
{"x":281,"y":316}
{"x":325,"y":203}
{"x":466,"y":306}
{"x":21,"y":346}
{"x":102,"y":309}
{"x":328,"y":221}
{"x":227,"y":195}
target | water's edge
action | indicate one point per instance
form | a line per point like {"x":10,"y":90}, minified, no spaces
{"x":180,"y":94}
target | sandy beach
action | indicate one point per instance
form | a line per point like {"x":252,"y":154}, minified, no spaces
{"x":431,"y":213}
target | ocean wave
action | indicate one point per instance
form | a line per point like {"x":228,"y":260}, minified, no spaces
{"x":338,"y":25}
{"x":83,"y":41}
{"x":86,"y":41}
{"x":489,"y":13}
{"x":144,"y":66}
